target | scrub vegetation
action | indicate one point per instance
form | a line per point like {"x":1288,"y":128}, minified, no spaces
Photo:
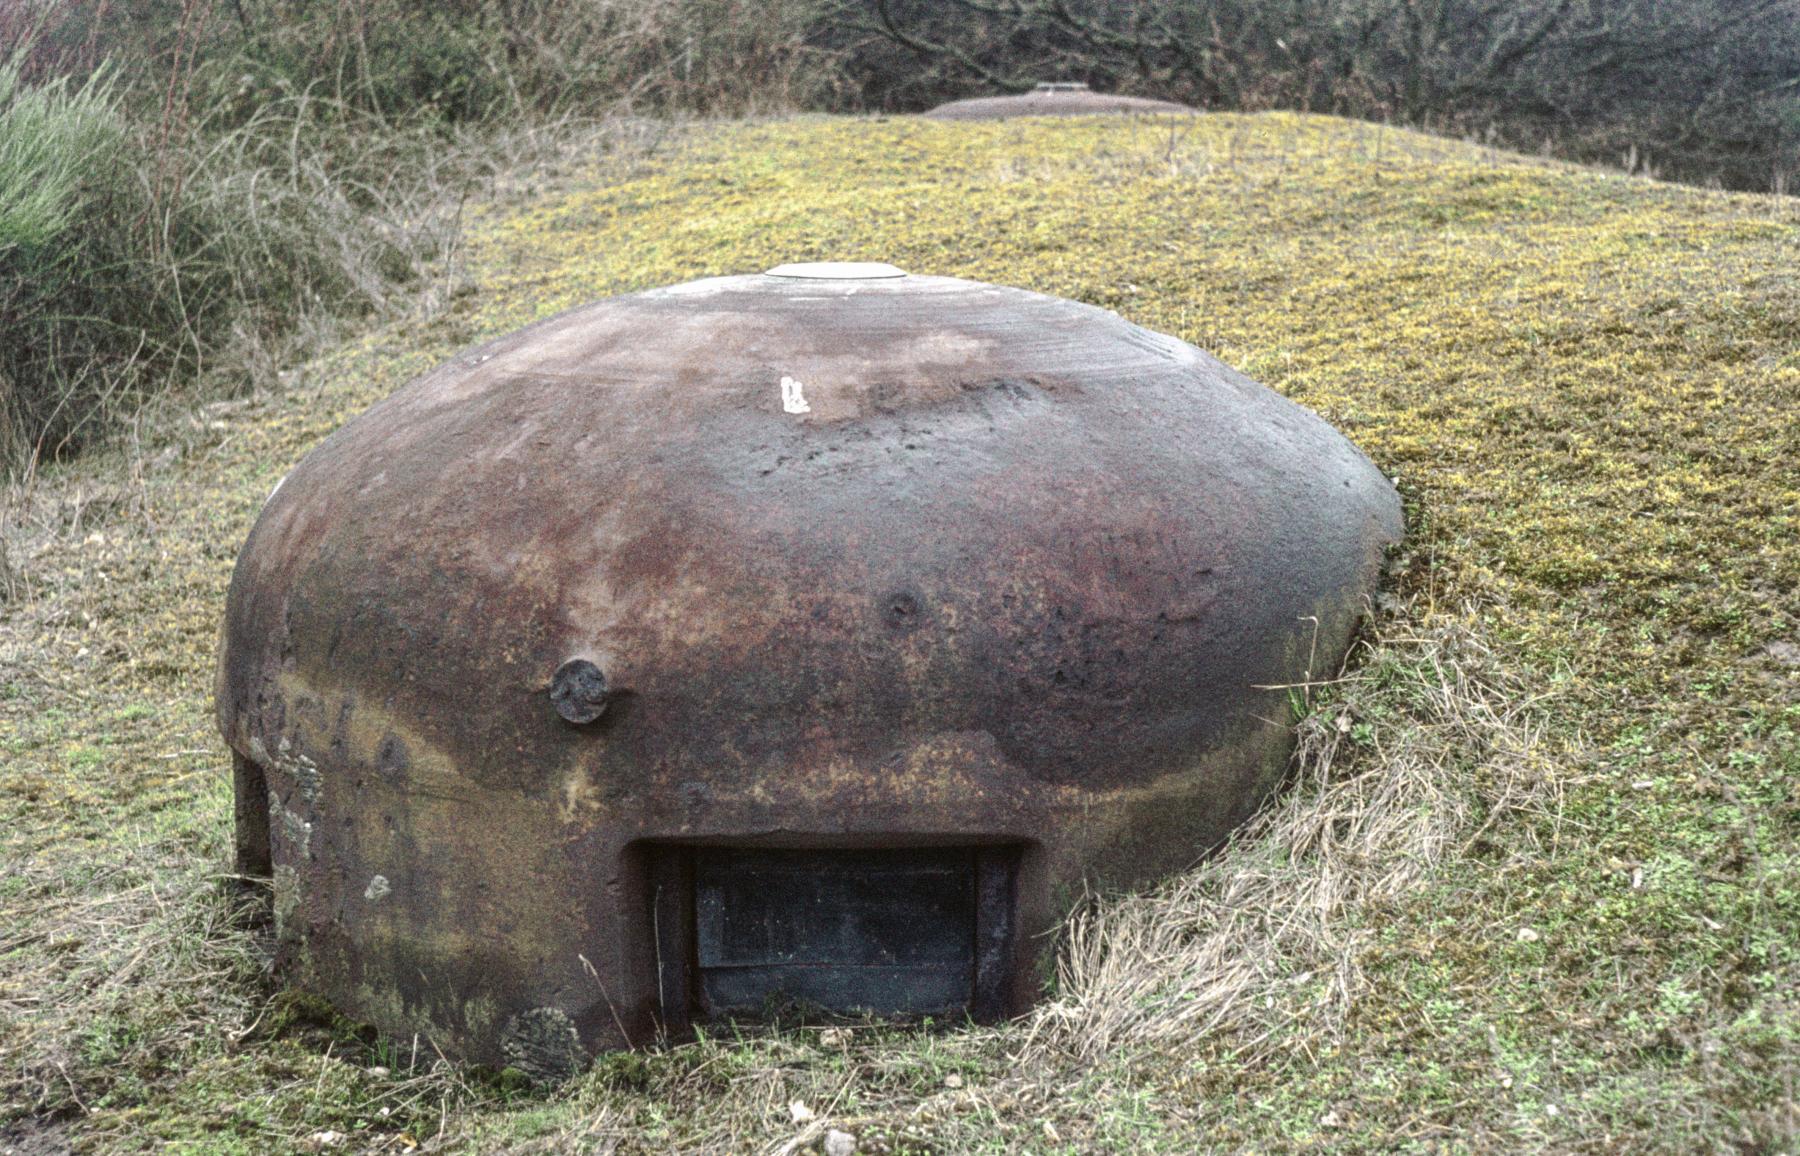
{"x":146,"y":260}
{"x":1534,"y":884}
{"x":194,"y":193}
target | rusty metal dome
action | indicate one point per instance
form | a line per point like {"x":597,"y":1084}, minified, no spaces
{"x":563,"y":675}
{"x":1056,"y":99}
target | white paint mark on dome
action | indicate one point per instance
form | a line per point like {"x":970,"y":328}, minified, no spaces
{"x":837,"y":271}
{"x":792,"y":399}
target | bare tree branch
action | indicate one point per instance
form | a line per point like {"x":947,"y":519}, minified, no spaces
{"x":927,"y":48}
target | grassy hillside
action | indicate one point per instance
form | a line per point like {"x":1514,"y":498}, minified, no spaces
{"x":1538,"y":884}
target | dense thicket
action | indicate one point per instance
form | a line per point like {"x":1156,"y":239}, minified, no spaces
{"x":1701,"y":90}
{"x":462,"y":60}
{"x":183,"y":183}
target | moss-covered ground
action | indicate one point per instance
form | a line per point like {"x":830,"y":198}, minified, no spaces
{"x":1589,"y":388}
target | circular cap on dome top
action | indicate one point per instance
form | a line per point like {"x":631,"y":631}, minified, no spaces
{"x":837,"y":271}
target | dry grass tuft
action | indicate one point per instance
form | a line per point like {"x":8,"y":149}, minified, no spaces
{"x":10,"y":582}
{"x":1423,"y":742}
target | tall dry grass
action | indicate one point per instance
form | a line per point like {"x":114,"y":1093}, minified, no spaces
{"x":1425,"y":740}
{"x":134,"y":260}
{"x":196,"y":193}
{"x":248,"y":252}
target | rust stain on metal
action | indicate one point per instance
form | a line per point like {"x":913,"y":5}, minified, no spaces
{"x":998,"y":570}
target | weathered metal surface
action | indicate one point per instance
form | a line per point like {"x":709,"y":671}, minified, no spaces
{"x":824,"y":563}
{"x":1055,"y":100}
{"x":881,"y":931}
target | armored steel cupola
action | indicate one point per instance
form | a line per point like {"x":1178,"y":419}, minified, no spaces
{"x":809,"y":636}
{"x":1055,"y":98}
